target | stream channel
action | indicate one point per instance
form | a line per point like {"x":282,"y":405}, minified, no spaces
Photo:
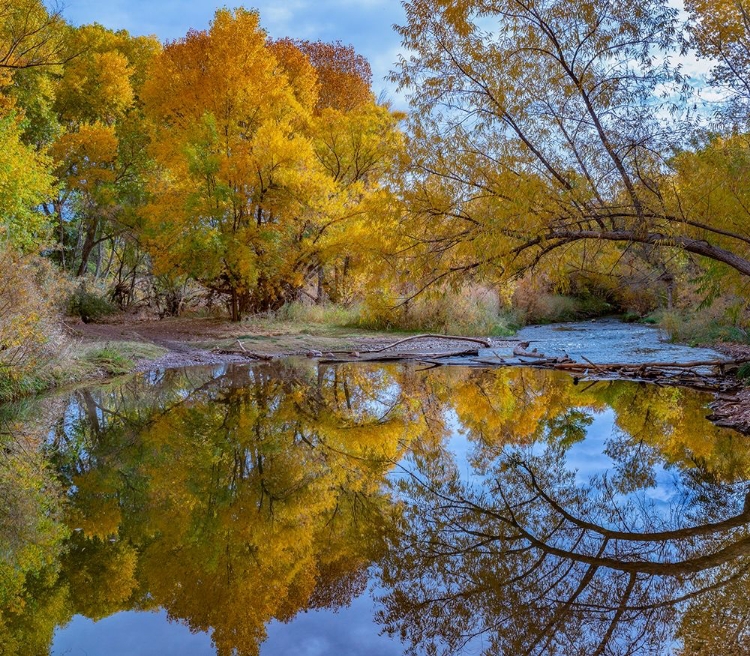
{"x":300,"y":508}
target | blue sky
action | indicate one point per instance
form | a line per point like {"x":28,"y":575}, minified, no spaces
{"x":365,"y":24}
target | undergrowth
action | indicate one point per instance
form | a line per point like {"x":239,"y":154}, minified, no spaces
{"x":75,"y":364}
{"x":473,"y":311}
{"x":455,"y":316}
{"x":703,"y":327}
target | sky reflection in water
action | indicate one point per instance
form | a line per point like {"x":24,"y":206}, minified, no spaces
{"x":251,"y":503}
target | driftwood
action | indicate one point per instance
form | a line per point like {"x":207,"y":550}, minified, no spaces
{"x":682,"y":374}
{"x":521,"y":352}
{"x":732,"y":411}
{"x":375,"y":356}
{"x":244,"y":353}
{"x":372,"y":355}
{"x":660,"y":365}
{"x":452,"y":338}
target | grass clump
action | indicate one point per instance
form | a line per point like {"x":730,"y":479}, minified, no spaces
{"x":471,"y":311}
{"x":324,"y":313}
{"x":110,"y":361}
{"x":119,"y":358}
{"x":631,"y":317}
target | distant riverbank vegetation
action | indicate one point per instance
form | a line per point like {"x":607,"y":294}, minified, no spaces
{"x":560,"y":166}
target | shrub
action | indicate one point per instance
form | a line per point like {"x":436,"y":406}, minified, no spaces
{"x":700,"y":327}
{"x":89,"y":306}
{"x":30,"y":338}
{"x":473,"y":310}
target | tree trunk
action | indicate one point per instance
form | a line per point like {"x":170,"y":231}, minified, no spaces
{"x":320,"y":291}
{"x":88,"y":246}
{"x":234,"y":304}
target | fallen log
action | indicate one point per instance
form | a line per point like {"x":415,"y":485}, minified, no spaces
{"x":373,"y":356}
{"x":484,"y":342}
{"x":244,"y":353}
{"x":596,"y":366}
{"x":660,"y":365}
{"x":522,"y":353}
{"x":641,"y":368}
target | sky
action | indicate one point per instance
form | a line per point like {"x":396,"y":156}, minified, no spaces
{"x":365,"y":24}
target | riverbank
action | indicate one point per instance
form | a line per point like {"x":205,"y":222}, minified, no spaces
{"x":107,"y":349}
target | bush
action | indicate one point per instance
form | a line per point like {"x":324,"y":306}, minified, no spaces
{"x":537,"y":300}
{"x":30,"y":339}
{"x":89,"y":306}
{"x":706,"y":326}
{"x":554,"y":308}
{"x":473,"y":310}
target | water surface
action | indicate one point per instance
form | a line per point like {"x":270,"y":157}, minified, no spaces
{"x":380,"y":510}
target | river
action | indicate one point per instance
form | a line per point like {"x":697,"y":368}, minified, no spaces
{"x":292,"y":507}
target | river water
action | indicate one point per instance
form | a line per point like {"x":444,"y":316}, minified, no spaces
{"x":607,"y":341}
{"x":314,"y":509}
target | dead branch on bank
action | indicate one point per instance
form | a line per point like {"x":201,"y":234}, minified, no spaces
{"x":244,"y":353}
{"x":453,"y":338}
{"x":375,"y":356}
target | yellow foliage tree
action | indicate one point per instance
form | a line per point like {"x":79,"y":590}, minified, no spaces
{"x":549,"y":135}
{"x":247,"y":195}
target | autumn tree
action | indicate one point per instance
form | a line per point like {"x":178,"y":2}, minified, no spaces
{"x":546,"y":131}
{"x":243,"y":203}
{"x":344,"y":76}
{"x":357,"y":143}
{"x":720,"y":33}
{"x":31,"y":35}
{"x":25,"y":183}
{"x":240,"y":187}
{"x":100,"y":150}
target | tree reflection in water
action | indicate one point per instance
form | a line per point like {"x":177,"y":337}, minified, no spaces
{"x":235,"y":496}
{"x":233,"y":501}
{"x":523,"y":557}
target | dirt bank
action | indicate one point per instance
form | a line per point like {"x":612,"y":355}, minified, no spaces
{"x":197,"y":341}
{"x":190,"y":342}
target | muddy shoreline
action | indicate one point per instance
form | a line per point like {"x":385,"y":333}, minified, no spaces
{"x":198,"y":342}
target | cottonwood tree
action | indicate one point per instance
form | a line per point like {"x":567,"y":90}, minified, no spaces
{"x":31,"y":35}
{"x":720,"y":33}
{"x":99,"y":152}
{"x":547,"y":130}
{"x":245,"y":202}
